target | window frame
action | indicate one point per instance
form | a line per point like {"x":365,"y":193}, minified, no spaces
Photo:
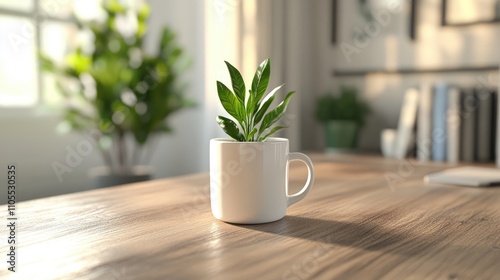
{"x":37,"y":16}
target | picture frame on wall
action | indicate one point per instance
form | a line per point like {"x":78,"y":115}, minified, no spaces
{"x":366,"y":8}
{"x":413,"y":20}
{"x":334,"y":16}
{"x":469,"y":12}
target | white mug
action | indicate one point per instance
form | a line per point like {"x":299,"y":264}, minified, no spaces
{"x":249,"y":180}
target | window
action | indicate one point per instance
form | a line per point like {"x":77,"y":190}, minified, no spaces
{"x":31,"y":26}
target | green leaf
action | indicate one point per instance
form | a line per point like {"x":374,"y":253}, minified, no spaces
{"x":141,"y":28}
{"x":79,"y":62}
{"x":167,"y":37}
{"x":47,"y":64}
{"x":230,"y":128}
{"x":265,"y":105}
{"x":276,"y":128}
{"x":237,"y":82}
{"x":251,"y":104}
{"x":325,"y":108}
{"x":273,"y":116}
{"x":114,"y":6}
{"x":250,"y":111}
{"x":252,"y":133}
{"x":230,"y":103}
{"x":141,"y":136}
{"x":261,"y":79}
{"x":143,"y":12}
{"x":343,"y":106}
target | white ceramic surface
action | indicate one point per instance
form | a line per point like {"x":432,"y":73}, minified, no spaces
{"x":388,"y":142}
{"x":249,"y":180}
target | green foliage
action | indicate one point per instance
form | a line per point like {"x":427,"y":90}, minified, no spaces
{"x":122,"y":91}
{"x":253,"y":121}
{"x":346,"y":106}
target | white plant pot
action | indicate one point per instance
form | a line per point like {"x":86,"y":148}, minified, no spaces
{"x":249,"y":180}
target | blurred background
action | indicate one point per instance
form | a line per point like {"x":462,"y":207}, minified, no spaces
{"x":376,"y":49}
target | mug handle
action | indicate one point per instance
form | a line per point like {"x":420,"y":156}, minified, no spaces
{"x":291,"y":199}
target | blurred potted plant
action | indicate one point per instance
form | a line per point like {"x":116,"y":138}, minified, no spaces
{"x":342,"y":115}
{"x":120,"y":90}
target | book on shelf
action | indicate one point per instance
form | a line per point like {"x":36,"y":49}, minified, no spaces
{"x":407,"y":118}
{"x":424,"y":123}
{"x":494,"y":122}
{"x":497,"y":140}
{"x":439,"y":133}
{"x":484,"y":120}
{"x":468,"y":128}
{"x":453,"y":125}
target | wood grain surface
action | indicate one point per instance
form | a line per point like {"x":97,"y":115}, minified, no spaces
{"x":354,"y":224}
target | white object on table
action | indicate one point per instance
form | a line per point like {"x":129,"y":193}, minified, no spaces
{"x":466,"y":176}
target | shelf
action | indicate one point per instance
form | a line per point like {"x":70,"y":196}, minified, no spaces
{"x":479,"y":22}
{"x":402,"y":71}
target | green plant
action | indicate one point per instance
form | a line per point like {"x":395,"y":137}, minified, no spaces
{"x":346,"y":106}
{"x":121,"y":90}
{"x":249,"y":110}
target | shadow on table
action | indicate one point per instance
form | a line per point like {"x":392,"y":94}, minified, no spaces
{"x":367,"y":236}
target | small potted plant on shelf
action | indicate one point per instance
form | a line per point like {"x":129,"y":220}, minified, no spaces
{"x":343,"y":116}
{"x":248,"y":172}
{"x":121,"y":91}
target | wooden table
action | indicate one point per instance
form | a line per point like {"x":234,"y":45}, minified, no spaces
{"x":352,"y":225}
